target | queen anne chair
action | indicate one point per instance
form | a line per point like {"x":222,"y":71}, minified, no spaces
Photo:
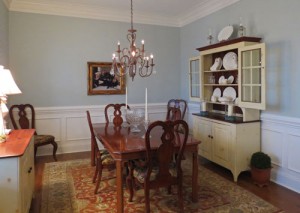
{"x":176,"y":109}
{"x":102,"y":157}
{"x":25,"y":119}
{"x":160,"y":168}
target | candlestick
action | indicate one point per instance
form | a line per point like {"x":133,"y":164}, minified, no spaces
{"x":126,"y":103}
{"x":146,"y":105}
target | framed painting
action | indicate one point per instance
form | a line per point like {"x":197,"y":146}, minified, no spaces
{"x":102,"y":82}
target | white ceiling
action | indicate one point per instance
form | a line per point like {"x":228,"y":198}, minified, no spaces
{"x":158,"y":12}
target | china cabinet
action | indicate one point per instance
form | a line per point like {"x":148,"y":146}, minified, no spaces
{"x":17,"y":171}
{"x":232,"y":93}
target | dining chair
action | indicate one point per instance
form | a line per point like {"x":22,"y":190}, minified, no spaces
{"x":160,"y":168}
{"x":102,"y":157}
{"x":176,"y":109}
{"x":24,"y":118}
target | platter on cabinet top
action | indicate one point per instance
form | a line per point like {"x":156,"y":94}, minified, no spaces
{"x":225,"y":33}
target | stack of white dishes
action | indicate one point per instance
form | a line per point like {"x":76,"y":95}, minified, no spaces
{"x":223,"y":80}
{"x":229,"y":95}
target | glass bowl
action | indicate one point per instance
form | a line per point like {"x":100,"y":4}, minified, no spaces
{"x":135,"y":117}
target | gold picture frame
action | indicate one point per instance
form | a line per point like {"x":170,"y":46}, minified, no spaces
{"x":102,"y":82}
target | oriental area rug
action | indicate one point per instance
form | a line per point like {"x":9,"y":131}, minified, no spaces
{"x":68,"y":188}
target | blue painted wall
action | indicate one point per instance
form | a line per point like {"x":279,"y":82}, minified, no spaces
{"x":3,"y":35}
{"x":49,"y":55}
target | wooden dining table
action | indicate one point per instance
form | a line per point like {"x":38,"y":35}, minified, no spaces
{"x":125,"y":145}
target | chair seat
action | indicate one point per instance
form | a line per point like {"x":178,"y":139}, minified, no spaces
{"x":139,"y":172}
{"x":43,"y":139}
{"x":106,"y":158}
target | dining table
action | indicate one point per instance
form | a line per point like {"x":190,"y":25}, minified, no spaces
{"x":124,"y":145}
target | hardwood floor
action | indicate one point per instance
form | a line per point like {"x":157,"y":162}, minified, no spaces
{"x":287,"y":200}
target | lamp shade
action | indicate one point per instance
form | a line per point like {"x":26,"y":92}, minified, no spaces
{"x":8,"y":85}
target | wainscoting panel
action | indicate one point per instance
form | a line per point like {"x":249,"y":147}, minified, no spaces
{"x":280,"y":135}
{"x":70,"y":128}
{"x":281,"y":140}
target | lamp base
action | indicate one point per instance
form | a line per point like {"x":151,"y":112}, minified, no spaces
{"x":2,"y":138}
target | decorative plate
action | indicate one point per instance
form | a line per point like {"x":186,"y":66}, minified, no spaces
{"x":230,"y":61}
{"x":221,"y":79}
{"x":217,"y":92}
{"x":217,"y":65}
{"x":225,"y":33}
{"x":229,"y":92}
{"x":230,"y":79}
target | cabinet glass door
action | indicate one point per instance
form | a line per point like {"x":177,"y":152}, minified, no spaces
{"x":252,"y":76}
{"x":194,"y":71}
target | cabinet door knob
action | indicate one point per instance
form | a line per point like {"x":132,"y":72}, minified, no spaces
{"x":29,"y":170}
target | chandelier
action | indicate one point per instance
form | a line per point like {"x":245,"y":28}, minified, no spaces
{"x":133,"y":59}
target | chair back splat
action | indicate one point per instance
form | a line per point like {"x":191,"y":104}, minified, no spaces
{"x":25,"y":119}
{"x":117,"y":112}
{"x":176,"y":109}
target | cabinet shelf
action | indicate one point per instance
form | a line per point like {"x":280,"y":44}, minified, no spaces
{"x":220,"y":85}
{"x":220,"y":103}
{"x":209,"y":71}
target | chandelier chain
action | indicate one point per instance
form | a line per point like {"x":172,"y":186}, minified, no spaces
{"x":131,"y":15}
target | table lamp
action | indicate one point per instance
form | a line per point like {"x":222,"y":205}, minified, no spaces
{"x":7,"y":87}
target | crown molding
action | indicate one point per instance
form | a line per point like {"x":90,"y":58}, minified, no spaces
{"x":7,"y":3}
{"x":203,"y":9}
{"x":82,"y":10}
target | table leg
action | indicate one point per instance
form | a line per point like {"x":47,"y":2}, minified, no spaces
{"x":93,"y":153}
{"x":195,"y":177}
{"x":119,"y":173}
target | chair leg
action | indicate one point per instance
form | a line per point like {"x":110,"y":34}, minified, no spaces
{"x":96,"y":170}
{"x":180,"y":197}
{"x":99,"y":177}
{"x":147,"y":199}
{"x":130,"y":181}
{"x":54,"y":150}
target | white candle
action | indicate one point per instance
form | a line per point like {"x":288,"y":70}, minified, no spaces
{"x":146,"y":105}
{"x":203,"y":107}
{"x":126,"y":100}
{"x":230,"y":110}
